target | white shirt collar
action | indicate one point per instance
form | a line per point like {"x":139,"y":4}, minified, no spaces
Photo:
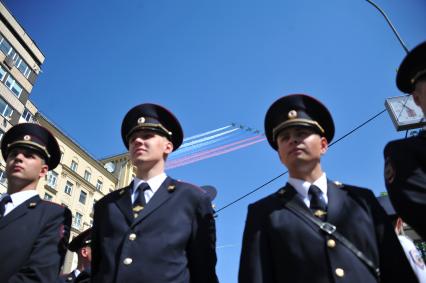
{"x":20,"y":197}
{"x":302,"y":186}
{"x":154,"y":183}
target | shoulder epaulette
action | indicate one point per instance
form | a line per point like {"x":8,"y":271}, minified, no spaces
{"x":338,"y":184}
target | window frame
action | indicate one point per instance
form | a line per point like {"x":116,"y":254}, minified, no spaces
{"x":74,"y":165}
{"x":83,"y":197}
{"x":70,"y":187}
{"x":99,"y":185}
{"x":87,"y":175}
{"x":52,"y":175}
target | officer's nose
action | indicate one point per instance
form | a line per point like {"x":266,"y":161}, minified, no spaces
{"x":138,"y":141}
{"x":293,"y":139}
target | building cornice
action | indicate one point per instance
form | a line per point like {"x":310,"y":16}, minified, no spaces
{"x":74,"y":145}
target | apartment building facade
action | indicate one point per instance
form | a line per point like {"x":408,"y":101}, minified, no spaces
{"x":79,"y":180}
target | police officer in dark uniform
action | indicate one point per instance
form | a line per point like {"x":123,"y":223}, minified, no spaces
{"x":411,"y":252}
{"x":405,"y":159}
{"x":314,"y":229}
{"x":157,"y":229}
{"x":33,"y":232}
{"x":80,"y":245}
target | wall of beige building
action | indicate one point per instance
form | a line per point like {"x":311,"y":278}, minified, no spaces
{"x":78,"y":182}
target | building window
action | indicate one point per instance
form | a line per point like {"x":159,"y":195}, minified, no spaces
{"x":27,"y":116}
{"x":68,"y":187}
{"x":77,"y":220}
{"x":4,"y":45}
{"x":73,"y":165}
{"x":87,"y":175}
{"x":83,"y":196}
{"x":52,"y":179}
{"x":47,"y":196}
{"x":20,"y":64}
{"x":5,"y":108}
{"x":62,"y":155}
{"x":2,"y":176}
{"x":2,"y":73}
{"x":99,"y":185}
{"x":13,"y":86}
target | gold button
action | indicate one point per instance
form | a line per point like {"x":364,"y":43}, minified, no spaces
{"x":340,"y":272}
{"x":132,"y":237}
{"x":127,"y":261}
{"x":331,"y":243}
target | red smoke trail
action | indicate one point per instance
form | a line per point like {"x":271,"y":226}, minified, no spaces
{"x":201,"y":153}
{"x":189,"y":161}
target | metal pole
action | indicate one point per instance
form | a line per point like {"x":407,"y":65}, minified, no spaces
{"x":390,"y":24}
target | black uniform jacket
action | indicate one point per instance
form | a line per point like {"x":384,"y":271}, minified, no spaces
{"x":406,"y":180}
{"x":172,"y":239}
{"x":33,"y":239}
{"x":278,"y":246}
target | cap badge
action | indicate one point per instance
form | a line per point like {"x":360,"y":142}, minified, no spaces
{"x":141,"y":120}
{"x":27,"y":137}
{"x":292,"y":114}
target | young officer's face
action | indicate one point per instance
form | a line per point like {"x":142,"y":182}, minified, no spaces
{"x":148,"y":147}
{"x":299,"y":146}
{"x":25,"y":165}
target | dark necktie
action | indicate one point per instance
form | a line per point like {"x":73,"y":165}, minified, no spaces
{"x":318,"y":205}
{"x":6,"y":199}
{"x":140,"y":201}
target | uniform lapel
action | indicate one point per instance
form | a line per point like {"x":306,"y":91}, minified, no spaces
{"x":289,"y":195}
{"x":336,"y":202}
{"x":124,"y":202}
{"x":19,"y":211}
{"x":163,"y":194}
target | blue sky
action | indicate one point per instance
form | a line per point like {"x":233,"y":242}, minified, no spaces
{"x":217,"y":62}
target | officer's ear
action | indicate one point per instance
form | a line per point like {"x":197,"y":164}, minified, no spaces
{"x":84,"y":251}
{"x":168,"y":147}
{"x":43,"y":170}
{"x":417,"y":90}
{"x":324,"y":145}
{"x":416,"y":98}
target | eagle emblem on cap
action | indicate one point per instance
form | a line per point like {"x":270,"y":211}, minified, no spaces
{"x":141,"y":120}
{"x":27,"y":137}
{"x":292,"y":114}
